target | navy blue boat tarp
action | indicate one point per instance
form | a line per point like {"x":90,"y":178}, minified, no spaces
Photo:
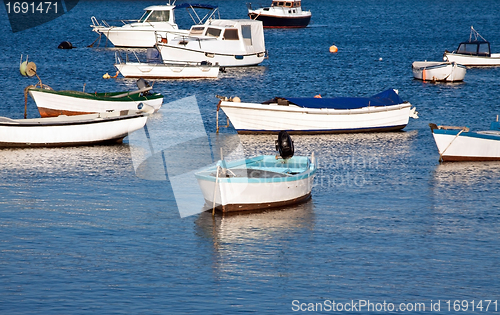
{"x":385,"y":98}
{"x":195,"y":6}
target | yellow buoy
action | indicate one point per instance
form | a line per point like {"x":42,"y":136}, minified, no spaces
{"x":106,"y":76}
{"x":333,"y":49}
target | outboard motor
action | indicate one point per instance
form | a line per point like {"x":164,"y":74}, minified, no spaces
{"x":142,"y":84}
{"x":284,"y":145}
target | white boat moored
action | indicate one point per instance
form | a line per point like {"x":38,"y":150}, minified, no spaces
{"x":281,"y":14}
{"x":385,"y":111}
{"x":461,"y":144}
{"x":90,"y":129}
{"x":156,"y":68}
{"x":438,"y":71}
{"x":230,"y":43}
{"x":258,"y":183}
{"x":475,"y":52}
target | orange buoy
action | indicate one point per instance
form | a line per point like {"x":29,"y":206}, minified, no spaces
{"x":333,"y":49}
{"x":317,"y":96}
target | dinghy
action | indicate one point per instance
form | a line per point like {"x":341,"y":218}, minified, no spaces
{"x":385,"y":111}
{"x":462,"y":144}
{"x":438,"y":71}
{"x":260,"y":182}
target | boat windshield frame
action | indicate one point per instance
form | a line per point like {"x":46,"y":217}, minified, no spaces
{"x":477,"y":48}
{"x":145,"y":16}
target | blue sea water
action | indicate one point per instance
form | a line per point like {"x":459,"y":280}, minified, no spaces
{"x":80,"y":233}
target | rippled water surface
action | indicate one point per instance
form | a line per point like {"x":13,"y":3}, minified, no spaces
{"x":81,"y":233}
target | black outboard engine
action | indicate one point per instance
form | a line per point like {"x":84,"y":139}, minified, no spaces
{"x":142,"y":84}
{"x":284,"y":145}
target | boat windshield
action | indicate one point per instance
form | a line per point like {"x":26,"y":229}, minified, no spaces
{"x":144,"y":16}
{"x":287,"y":4}
{"x":474,"y":48}
{"x":159,"y":16}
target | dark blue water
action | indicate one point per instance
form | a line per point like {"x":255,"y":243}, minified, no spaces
{"x":80,"y":233}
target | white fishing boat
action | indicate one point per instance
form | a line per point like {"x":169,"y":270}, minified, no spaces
{"x":52,"y":103}
{"x":281,"y":14}
{"x":474,"y":52}
{"x":257,"y":183}
{"x":90,"y":129}
{"x":438,"y":71}
{"x":230,"y":43}
{"x":156,"y":68}
{"x":461,"y":144}
{"x":385,"y":111}
{"x":157,"y":21}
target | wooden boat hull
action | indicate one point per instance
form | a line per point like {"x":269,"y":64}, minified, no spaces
{"x":261,"y":118}
{"x":256,"y":193}
{"x":473,"y":61}
{"x":438,"y":71}
{"x":459,"y":144}
{"x":54,"y":103}
{"x":167,"y":71}
{"x":60,"y":131}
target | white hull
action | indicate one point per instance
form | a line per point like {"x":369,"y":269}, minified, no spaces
{"x":469,"y":60}
{"x":244,"y":193}
{"x":261,"y":118}
{"x":438,"y":71}
{"x":69,"y":105}
{"x":68,"y":130}
{"x":468,"y":146}
{"x":214,"y":55}
{"x":137,"y":37}
{"x":167,"y":71}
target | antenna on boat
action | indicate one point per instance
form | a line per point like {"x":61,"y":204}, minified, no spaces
{"x":476,"y":34}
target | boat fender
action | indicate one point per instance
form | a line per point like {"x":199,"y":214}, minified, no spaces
{"x":65,"y":45}
{"x":236,"y":99}
{"x":284,"y":145}
{"x":140,"y":106}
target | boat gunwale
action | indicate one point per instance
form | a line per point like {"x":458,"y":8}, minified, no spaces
{"x":106,"y":96}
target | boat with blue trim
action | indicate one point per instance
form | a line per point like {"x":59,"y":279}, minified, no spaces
{"x":281,"y":14}
{"x":460,"y":144}
{"x":385,"y":111}
{"x":260,"y":182}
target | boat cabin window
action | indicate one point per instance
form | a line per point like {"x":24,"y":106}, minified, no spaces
{"x":144,"y":16}
{"x":197,"y":30}
{"x":278,"y":4}
{"x":246,"y":32}
{"x":214,"y":32}
{"x":159,"y":16}
{"x":297,"y":4}
{"x":231,"y":34}
{"x":469,"y":49}
{"x":484,"y":49}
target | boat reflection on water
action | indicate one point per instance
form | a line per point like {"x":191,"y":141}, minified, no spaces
{"x":248,"y":227}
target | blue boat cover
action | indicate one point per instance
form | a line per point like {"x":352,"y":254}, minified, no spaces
{"x":385,"y":98}
{"x":195,"y":6}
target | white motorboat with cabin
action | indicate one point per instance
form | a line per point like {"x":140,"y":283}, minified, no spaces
{"x":474,"y":52}
{"x":157,"y":21}
{"x":438,"y":71}
{"x":281,"y":14}
{"x":230,"y":43}
{"x":385,"y":111}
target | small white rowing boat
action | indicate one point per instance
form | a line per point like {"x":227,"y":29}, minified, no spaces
{"x":461,"y":144}
{"x":438,"y":71}
{"x":90,"y":129}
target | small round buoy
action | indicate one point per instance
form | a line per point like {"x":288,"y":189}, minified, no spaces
{"x":106,"y":76}
{"x":333,"y":49}
{"x":22,"y":68}
{"x":317,"y":96}
{"x":65,"y":45}
{"x":236,"y":99}
{"x":380,"y":59}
